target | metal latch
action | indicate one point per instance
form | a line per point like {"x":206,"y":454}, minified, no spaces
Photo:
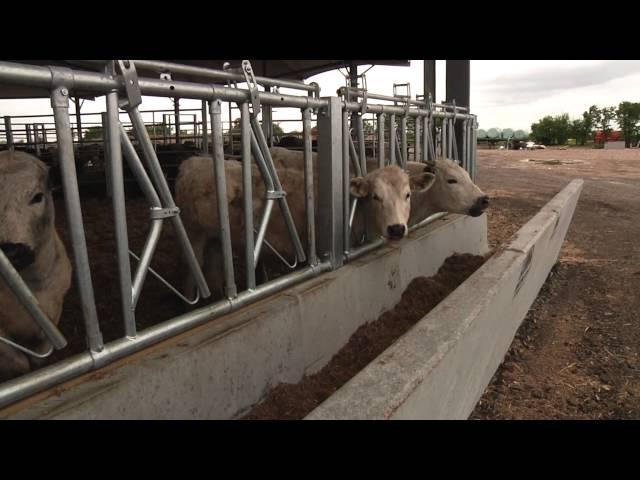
{"x":250,"y":78}
{"x":158,"y":213}
{"x":131,"y":85}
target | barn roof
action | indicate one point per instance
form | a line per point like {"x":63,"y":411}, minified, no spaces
{"x":290,"y":69}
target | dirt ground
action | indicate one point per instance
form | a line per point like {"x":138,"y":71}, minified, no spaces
{"x":576,"y":353}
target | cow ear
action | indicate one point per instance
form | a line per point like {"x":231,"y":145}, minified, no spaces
{"x":359,"y":187}
{"x":422,"y":182}
{"x":430,"y":168}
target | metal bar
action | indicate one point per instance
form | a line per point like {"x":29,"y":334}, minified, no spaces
{"x":8,"y":132}
{"x":309,"y":187}
{"x":60,"y":105}
{"x":34,"y":382}
{"x":205,"y":133}
{"x":138,"y":170}
{"x":145,"y":260}
{"x":330,"y":183}
{"x":167,"y":200}
{"x":245,"y":124}
{"x":450,"y":137}
{"x":95,"y":82}
{"x":28,"y":131}
{"x":78,"y":120}
{"x":392,"y":139}
{"x":107,"y":152}
{"x":355,"y":158}
{"x":282,"y":202}
{"x":116,"y":179}
{"x":403,"y":139}
{"x":443,"y":138}
{"x":176,"y":108}
{"x":417,"y":150}
{"x":220,"y":74}
{"x":262,"y":229}
{"x":381,"y":162}
{"x":361,"y":147}
{"x":215,"y":109}
{"x":267,"y":122}
{"x":16,"y":284}
{"x":347,"y":142}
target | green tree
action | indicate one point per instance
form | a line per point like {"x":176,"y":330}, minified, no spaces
{"x":628,"y":116}
{"x":552,"y":130}
{"x":602,"y":118}
{"x":93,"y":133}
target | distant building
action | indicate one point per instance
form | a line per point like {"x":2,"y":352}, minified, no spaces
{"x":613,"y":136}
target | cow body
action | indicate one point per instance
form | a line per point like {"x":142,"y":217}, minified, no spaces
{"x":385,"y":195}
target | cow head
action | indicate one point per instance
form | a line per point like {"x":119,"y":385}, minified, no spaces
{"x":453,"y":190}
{"x":26,"y":207}
{"x":386,"y":194}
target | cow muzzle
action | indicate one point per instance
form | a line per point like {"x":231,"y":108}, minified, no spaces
{"x":479,"y":206}
{"x":396,"y":232}
{"x":19,"y":254}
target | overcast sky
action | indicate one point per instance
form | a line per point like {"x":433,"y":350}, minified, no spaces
{"x":504,"y":93}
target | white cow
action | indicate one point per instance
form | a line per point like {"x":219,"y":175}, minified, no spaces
{"x":385,"y":194}
{"x":29,"y":240}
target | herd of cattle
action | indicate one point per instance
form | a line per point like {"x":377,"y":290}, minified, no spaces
{"x":390,"y":200}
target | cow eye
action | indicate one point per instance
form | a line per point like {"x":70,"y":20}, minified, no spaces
{"x":37,"y":198}
{"x":408,"y":195}
{"x":452,"y":181}
{"x":376,"y":197}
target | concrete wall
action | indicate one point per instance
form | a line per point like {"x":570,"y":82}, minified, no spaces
{"x":441,"y":367}
{"x":220,"y":369}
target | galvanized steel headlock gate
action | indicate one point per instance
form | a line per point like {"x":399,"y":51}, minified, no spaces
{"x":332,"y":212}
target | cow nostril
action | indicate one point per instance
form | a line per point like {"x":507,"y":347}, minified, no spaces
{"x":485,"y":201}
{"x":396,"y":230}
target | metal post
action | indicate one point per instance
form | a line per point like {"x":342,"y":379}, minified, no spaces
{"x":443,"y":138}
{"x":330,"y":182}
{"x":267,"y":121}
{"x":205,"y":133}
{"x":116,"y":179}
{"x":403,"y":139}
{"x":230,"y":131}
{"x":459,"y":88}
{"x":215,"y":109}
{"x":381,"y":162}
{"x":8,"y":132}
{"x":417,"y":150}
{"x":164,"y":128}
{"x":176,"y":110}
{"x":245,"y":123}
{"x":78,"y":121}
{"x":60,"y":105}
{"x":346,"y":144}
{"x":361,"y":146}
{"x":107,"y":152}
{"x":355,"y":158}
{"x":36,"y":143}
{"x":392,"y":139}
{"x":27,"y":128}
{"x":309,"y":188}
